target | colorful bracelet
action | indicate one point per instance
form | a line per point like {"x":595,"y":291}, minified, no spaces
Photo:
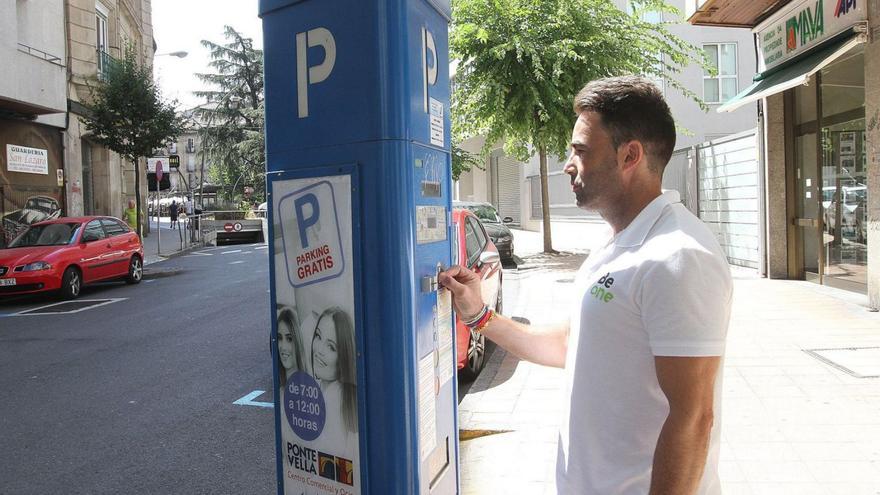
{"x":490,"y":315}
{"x":476,"y":319}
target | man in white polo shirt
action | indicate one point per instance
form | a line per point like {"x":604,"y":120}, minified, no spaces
{"x":644,"y":345}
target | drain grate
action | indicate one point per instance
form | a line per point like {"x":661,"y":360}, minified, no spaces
{"x":860,"y":362}
{"x":68,"y":307}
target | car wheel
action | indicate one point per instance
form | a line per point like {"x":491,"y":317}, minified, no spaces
{"x":71,"y":283}
{"x":476,"y":355}
{"x":135,"y":270}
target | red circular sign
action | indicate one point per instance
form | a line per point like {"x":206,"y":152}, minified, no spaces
{"x":228,"y":227}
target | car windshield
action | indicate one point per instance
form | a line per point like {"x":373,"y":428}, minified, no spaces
{"x":50,"y":234}
{"x":485,"y":213}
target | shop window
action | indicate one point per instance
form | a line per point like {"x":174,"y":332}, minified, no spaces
{"x":722,"y":86}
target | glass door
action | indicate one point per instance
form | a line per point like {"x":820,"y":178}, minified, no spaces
{"x":844,"y":175}
{"x":807,"y":213}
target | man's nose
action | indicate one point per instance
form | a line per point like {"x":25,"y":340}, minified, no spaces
{"x":568,"y":167}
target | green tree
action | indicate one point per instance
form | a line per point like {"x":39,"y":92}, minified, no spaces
{"x":128,"y":115}
{"x":233,"y":121}
{"x":522,"y":62}
{"x":463,"y":161}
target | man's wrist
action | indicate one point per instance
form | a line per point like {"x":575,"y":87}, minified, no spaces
{"x":474,"y":319}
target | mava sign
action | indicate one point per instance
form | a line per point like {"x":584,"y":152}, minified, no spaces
{"x":803,"y":25}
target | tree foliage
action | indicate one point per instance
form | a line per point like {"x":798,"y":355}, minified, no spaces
{"x":463,"y":161}
{"x":127,"y":113}
{"x":232,"y":118}
{"x":522,"y":62}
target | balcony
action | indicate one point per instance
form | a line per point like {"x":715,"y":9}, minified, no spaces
{"x":105,"y":61}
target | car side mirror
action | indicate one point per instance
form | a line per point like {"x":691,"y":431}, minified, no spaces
{"x":507,"y":220}
{"x":489,"y":257}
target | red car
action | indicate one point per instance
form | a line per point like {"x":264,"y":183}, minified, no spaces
{"x":65,"y":253}
{"x":473,"y":248}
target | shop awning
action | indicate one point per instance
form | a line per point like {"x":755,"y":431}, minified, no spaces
{"x":792,"y":74}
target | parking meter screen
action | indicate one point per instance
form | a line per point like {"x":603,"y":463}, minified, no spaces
{"x":315,"y":331}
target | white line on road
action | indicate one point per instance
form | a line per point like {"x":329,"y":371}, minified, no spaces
{"x":230,"y":252}
{"x":98,"y":303}
{"x":248,"y":400}
{"x":199,"y":253}
{"x":261,"y":247}
{"x":236,"y":262}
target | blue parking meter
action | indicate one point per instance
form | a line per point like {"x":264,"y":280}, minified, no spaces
{"x":359,"y":179}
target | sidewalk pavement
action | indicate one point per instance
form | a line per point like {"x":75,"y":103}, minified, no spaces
{"x":163,"y":242}
{"x":792,"y":424}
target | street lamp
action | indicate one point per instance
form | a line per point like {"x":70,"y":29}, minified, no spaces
{"x":178,"y":54}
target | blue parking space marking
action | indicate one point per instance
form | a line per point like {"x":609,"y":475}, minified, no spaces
{"x":248,"y":400}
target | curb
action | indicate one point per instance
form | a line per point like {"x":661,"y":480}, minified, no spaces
{"x":155,"y":258}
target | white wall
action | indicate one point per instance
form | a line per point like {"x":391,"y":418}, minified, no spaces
{"x":30,"y":78}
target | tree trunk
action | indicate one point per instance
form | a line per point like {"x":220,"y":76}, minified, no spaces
{"x":545,"y":200}
{"x":137,"y":197}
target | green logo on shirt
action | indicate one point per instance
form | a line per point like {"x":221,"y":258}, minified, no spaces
{"x":600,"y":290}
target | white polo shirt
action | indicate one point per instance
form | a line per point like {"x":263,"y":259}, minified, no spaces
{"x":660,"y":287}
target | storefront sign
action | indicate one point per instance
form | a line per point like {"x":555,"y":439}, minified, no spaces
{"x":805,"y":24}
{"x":315,"y":330}
{"x":27,"y":160}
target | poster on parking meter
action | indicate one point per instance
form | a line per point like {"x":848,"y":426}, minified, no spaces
{"x":315,"y":329}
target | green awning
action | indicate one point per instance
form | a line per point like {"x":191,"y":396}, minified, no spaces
{"x":792,"y":74}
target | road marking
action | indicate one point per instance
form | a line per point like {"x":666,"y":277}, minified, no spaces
{"x":230,"y":252}
{"x":98,"y":303}
{"x":261,"y":247}
{"x":248,"y":400}
{"x":236,"y":262}
{"x":199,"y":253}
{"x":149,"y":281}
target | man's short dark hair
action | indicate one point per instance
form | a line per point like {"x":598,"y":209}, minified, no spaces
{"x":632,"y":108}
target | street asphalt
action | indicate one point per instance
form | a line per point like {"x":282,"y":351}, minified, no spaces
{"x":136,"y":396}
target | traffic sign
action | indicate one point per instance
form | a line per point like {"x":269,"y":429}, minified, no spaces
{"x":228,"y":227}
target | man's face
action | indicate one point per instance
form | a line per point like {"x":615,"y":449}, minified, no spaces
{"x":592,"y":163}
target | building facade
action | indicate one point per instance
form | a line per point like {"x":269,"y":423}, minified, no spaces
{"x":186,"y":180}
{"x":514,"y":187}
{"x":818,"y":85}
{"x":99,"y":181}
{"x":32,"y":105}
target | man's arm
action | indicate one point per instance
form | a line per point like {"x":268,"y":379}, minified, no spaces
{"x":680,"y":456}
{"x":543,"y":345}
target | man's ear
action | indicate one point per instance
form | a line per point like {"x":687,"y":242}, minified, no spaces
{"x":630,"y":154}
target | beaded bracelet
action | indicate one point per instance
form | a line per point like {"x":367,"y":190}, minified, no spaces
{"x":490,"y":315}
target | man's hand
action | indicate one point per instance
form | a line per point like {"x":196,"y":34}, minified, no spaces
{"x":465,"y":287}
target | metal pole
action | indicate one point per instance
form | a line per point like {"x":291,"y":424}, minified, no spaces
{"x":158,"y":224}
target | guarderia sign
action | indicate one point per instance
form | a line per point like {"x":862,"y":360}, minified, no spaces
{"x":802,"y":25}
